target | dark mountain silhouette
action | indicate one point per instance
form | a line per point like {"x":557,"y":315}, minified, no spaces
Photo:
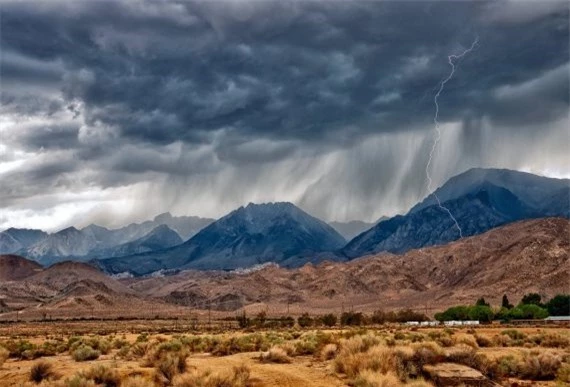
{"x":479,"y":199}
{"x":250,"y":235}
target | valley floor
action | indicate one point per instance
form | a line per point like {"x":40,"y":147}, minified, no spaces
{"x":497,"y":355}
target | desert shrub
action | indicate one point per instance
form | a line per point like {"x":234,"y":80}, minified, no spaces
{"x":305,"y":320}
{"x":368,"y":378}
{"x":238,"y":377}
{"x":542,"y":366}
{"x":328,"y":320}
{"x":79,"y":381}
{"x":399,"y":336}
{"x":51,"y":348}
{"x":553,"y":340}
{"x":483,"y":341}
{"x":244,"y":343}
{"x":259,"y":319}
{"x":136,"y":381}
{"x":103,"y":376}
{"x":140,"y":349}
{"x":426,"y":353}
{"x":42,"y":370}
{"x":329,"y":351}
{"x":507,"y":366}
{"x":563,"y":374}
{"x":4,"y":354}
{"x":142,"y":338}
{"x":120,"y":343}
{"x":275,"y":355}
{"x":467,"y":340}
{"x":514,"y":334}
{"x":21,"y":349}
{"x":123,"y":353}
{"x":351,"y":318}
{"x":502,"y":341}
{"x":85,"y":353}
{"x":289,"y":348}
{"x":416,"y":337}
{"x":168,"y":365}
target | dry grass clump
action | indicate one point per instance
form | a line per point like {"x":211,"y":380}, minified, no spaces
{"x":329,"y":351}
{"x":139,"y":350}
{"x":502,"y":341}
{"x":483,"y":341}
{"x":238,"y":377}
{"x":468,"y":340}
{"x":275,"y":355}
{"x":563,"y":374}
{"x":78,"y":381}
{"x":136,"y":381}
{"x":368,"y":378}
{"x":169,"y":365}
{"x":379,"y":359}
{"x":553,"y":340}
{"x":541,"y":366}
{"x":85,"y":353}
{"x":102,"y":376}
{"x":356,"y":356}
{"x":4,"y":354}
{"x":42,"y":370}
{"x":97,"y":343}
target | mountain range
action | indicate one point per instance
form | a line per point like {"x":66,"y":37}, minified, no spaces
{"x":469,"y":204}
{"x":251,"y":235}
{"x":514,"y":259}
{"x":95,"y":241}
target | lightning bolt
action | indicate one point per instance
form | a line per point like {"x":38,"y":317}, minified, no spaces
{"x":451,"y":59}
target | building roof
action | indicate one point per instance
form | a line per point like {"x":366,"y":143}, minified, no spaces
{"x":558,"y":318}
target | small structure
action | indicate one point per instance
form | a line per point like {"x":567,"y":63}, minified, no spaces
{"x":429,"y":323}
{"x":460,"y":323}
{"x":564,"y":320}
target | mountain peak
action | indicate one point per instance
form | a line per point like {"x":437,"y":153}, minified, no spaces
{"x":68,"y":230}
{"x":163,"y":218}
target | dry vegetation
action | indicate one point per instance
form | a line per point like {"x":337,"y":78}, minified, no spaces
{"x":388,"y":355}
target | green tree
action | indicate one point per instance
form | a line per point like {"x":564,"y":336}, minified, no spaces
{"x":559,"y":305}
{"x":460,"y":312}
{"x":329,"y":320}
{"x":351,"y":318}
{"x":304,"y":320}
{"x":531,"y":299}
{"x":528,"y":311}
{"x":483,"y":313}
{"x":243,"y":320}
{"x":505,"y":302}
{"x":481,"y":302}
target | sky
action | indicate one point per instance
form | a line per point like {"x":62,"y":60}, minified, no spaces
{"x":115,"y":111}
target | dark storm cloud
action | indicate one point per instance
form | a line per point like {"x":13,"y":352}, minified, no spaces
{"x":282,"y":70}
{"x":137,"y":88}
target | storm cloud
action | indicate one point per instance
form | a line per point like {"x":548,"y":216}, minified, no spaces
{"x":114,"y":111}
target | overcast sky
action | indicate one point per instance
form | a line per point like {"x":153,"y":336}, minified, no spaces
{"x":113,"y":112}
